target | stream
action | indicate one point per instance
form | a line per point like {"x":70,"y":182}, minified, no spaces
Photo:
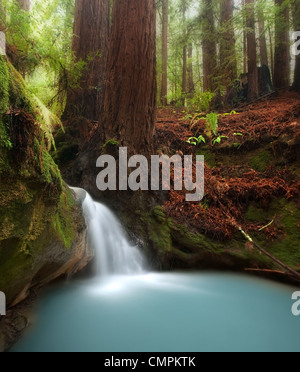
{"x":125,"y":308}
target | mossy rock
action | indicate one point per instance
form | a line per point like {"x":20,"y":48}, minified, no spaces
{"x":40,"y":223}
{"x":261,"y":161}
{"x":285,"y":215}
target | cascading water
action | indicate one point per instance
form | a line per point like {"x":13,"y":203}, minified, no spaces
{"x":114,"y":254}
{"x":158,"y":312}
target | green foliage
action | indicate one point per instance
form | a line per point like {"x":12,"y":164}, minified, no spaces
{"x":196,"y":141}
{"x":212,"y":126}
{"x":4,"y":85}
{"x":43,"y":41}
{"x":218,"y":140}
{"x":201,"y":102}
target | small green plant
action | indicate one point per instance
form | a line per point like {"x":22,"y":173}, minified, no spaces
{"x":218,"y":140}
{"x":230,"y":113}
{"x":212,"y":126}
{"x":196,"y":141}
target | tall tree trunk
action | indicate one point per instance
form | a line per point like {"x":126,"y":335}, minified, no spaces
{"x":252,"y":54}
{"x":2,"y":17}
{"x":296,"y":23}
{"x":130,"y":94}
{"x":24,"y":4}
{"x":190,"y":72}
{"x":90,"y":44}
{"x":209,"y":48}
{"x":228,"y":61}
{"x":184,"y":56}
{"x":165,"y":24}
{"x":271,"y":52}
{"x":264,"y":60}
{"x":282,"y":46}
{"x":245,"y":51}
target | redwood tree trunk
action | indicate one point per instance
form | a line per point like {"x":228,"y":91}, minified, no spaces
{"x":245,"y":51}
{"x":190,"y":72}
{"x":90,"y":44}
{"x":209,"y":48}
{"x":130,"y":95}
{"x":252,"y":54}
{"x":282,"y":46}
{"x":184,"y":56}
{"x":228,"y":61}
{"x":165,"y":22}
{"x":264,"y":60}
{"x":296,"y":22}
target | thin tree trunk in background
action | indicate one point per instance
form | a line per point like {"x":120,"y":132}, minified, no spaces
{"x":130,"y":94}
{"x":2,"y":17}
{"x":245,"y":51}
{"x":184,"y":57}
{"x":190,"y":72}
{"x":264,"y":60}
{"x":228,"y":61}
{"x":296,"y":23}
{"x":24,"y":4}
{"x":271,"y":52}
{"x":90,"y":44}
{"x":209,"y":48}
{"x":282,"y":46}
{"x":252,"y":54}
{"x":165,"y":23}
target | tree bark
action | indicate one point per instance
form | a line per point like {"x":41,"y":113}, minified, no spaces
{"x":184,"y":56}
{"x":190,"y":72}
{"x":228,"y":61}
{"x":90,"y":44}
{"x":165,"y":23}
{"x":282,"y":46}
{"x":252,"y":54}
{"x":271,"y":52}
{"x":296,"y":23}
{"x":209,"y":48}
{"x":264,"y":60}
{"x":130,"y":95}
{"x":245,"y":51}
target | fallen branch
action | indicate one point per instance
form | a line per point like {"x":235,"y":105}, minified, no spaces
{"x":267,"y":271}
{"x":248,"y":237}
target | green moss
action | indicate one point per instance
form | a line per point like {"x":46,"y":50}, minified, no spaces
{"x":63,"y":222}
{"x":209,"y":157}
{"x":193,"y":242}
{"x":288,"y":248}
{"x":159,"y":214}
{"x":36,"y":209}
{"x":156,"y":227}
{"x":110,"y":147}
{"x":257,"y":214}
{"x":111,"y":142}
{"x":4,"y":86}
{"x":287,"y":218}
{"x":261,"y":161}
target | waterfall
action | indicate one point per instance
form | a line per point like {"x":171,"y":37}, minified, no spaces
{"x":114,"y":254}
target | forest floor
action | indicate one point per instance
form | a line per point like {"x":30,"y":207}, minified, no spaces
{"x":257,"y":160}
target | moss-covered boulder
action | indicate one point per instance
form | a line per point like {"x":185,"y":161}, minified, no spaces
{"x":42,"y":231}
